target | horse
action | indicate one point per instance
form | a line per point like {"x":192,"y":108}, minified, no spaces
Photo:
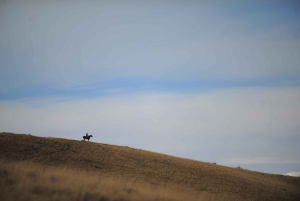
{"x":87,"y":137}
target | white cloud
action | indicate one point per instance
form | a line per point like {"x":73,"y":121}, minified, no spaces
{"x":293,"y":174}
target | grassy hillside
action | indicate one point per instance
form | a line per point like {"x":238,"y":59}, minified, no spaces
{"x":61,"y":169}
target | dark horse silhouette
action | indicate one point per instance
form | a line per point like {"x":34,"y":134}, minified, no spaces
{"x":87,"y":137}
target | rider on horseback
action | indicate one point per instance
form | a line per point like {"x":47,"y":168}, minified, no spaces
{"x":87,"y":136}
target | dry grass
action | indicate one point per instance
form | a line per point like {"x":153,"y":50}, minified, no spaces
{"x":27,"y":181}
{"x":38,"y":168}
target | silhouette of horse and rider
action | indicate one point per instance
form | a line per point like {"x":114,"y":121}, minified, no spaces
{"x":87,"y":137}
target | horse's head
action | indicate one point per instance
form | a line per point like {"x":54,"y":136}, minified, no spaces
{"x":91,"y":135}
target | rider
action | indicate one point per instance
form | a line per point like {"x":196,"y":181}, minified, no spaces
{"x":87,"y":134}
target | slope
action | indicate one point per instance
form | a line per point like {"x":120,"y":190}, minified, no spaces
{"x":159,"y":170}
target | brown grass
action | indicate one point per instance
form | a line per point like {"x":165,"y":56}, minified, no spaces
{"x":36,"y":168}
{"x":27,"y":181}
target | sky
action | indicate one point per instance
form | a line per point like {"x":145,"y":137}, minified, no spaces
{"x":214,"y":81}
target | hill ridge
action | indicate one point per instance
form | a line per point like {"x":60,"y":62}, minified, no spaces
{"x":149,"y":167}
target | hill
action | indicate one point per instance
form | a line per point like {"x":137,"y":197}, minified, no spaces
{"x":96,"y":171}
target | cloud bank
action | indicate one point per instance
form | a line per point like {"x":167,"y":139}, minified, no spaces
{"x":293,"y":174}
{"x":259,"y":160}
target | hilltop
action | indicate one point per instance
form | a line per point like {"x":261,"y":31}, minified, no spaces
{"x":164,"y":177}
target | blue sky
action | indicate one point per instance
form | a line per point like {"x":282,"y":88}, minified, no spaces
{"x":216,"y":81}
